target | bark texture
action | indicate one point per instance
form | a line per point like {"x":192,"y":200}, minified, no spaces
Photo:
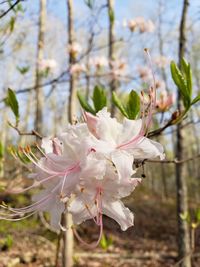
{"x":68,"y":237}
{"x":111,"y":52}
{"x":40,"y":55}
{"x":181,"y":184}
{"x":72,"y":89}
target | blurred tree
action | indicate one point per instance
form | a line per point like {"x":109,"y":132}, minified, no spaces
{"x":181,"y":184}
{"x":40,"y":56}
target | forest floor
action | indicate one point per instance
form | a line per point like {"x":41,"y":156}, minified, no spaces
{"x":151,"y":242}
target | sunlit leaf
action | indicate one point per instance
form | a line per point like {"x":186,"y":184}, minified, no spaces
{"x":99,"y":97}
{"x":23,"y":70}
{"x":84,"y":104}
{"x":181,"y":83}
{"x":111,"y":16}
{"x":198,"y":215}
{"x":185,"y":217}
{"x":12,"y":102}
{"x":12,"y":23}
{"x":118,"y":104}
{"x":106,"y":242}
{"x":133,"y":105}
{"x":195,"y":100}
{"x":1,"y":150}
{"x":186,"y":70}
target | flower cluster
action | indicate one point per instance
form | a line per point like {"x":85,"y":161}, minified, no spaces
{"x":74,"y":49}
{"x":165,"y":101}
{"x":140,"y":24}
{"x":88,"y":169}
{"x":47,"y":65}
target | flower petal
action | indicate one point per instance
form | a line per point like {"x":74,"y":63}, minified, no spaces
{"x":117,"y":211}
{"x":131,"y":129}
{"x":123,"y":162}
{"x":146,"y":149}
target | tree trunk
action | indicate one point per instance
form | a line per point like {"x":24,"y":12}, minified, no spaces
{"x":160,"y":39}
{"x":40,"y":53}
{"x":3,"y":140}
{"x":111,"y":53}
{"x":72,"y":88}
{"x":68,"y":235}
{"x":182,"y":194}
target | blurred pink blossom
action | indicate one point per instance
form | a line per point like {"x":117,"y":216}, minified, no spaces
{"x":98,"y":62}
{"x":161,"y":61}
{"x":147,"y":26}
{"x":47,"y":64}
{"x":160,"y":84}
{"x":140,"y":24}
{"x":78,"y":68}
{"x":144,"y":73}
{"x":165,"y":101}
{"x":74,"y":49}
{"x":118,"y":68}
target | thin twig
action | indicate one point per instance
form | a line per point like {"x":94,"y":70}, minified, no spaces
{"x":175,"y":161}
{"x":33,"y":132}
{"x":10,"y":8}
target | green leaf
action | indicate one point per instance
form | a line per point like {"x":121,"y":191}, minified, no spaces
{"x":7,"y":243}
{"x":118,"y":104}
{"x":186,"y":70}
{"x":12,"y":102}
{"x":1,"y":151}
{"x":19,"y":8}
{"x":181,"y":83}
{"x":84,"y":104}
{"x":195,"y":100}
{"x":89,"y":3}
{"x":105,"y":242}
{"x":186,"y":216}
{"x":133,"y":105}
{"x":197,"y":215}
{"x":99,"y":97}
{"x":12,"y":23}
{"x":23,"y":70}
{"x":111,"y":16}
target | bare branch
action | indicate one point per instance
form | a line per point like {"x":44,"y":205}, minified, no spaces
{"x":10,"y":8}
{"x":175,"y":161}
{"x":33,"y":132}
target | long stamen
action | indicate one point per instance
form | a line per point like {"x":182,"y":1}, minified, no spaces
{"x":87,"y":206}
{"x":18,"y":219}
{"x":153,"y":75}
{"x":63,"y":183}
{"x":35,"y":184}
{"x":93,"y":245}
{"x":38,"y":165}
{"x":37,"y":204}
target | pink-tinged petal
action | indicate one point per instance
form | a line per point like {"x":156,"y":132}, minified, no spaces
{"x":53,"y":205}
{"x":127,"y":188}
{"x":108,"y":129}
{"x":131,"y":128}
{"x":91,"y":121}
{"x":118,"y":212}
{"x":57,"y":146}
{"x":93,"y":167}
{"x":78,"y":210}
{"x":123,"y":162}
{"x":55,"y":215}
{"x":47,"y":145}
{"x":147,"y":149}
